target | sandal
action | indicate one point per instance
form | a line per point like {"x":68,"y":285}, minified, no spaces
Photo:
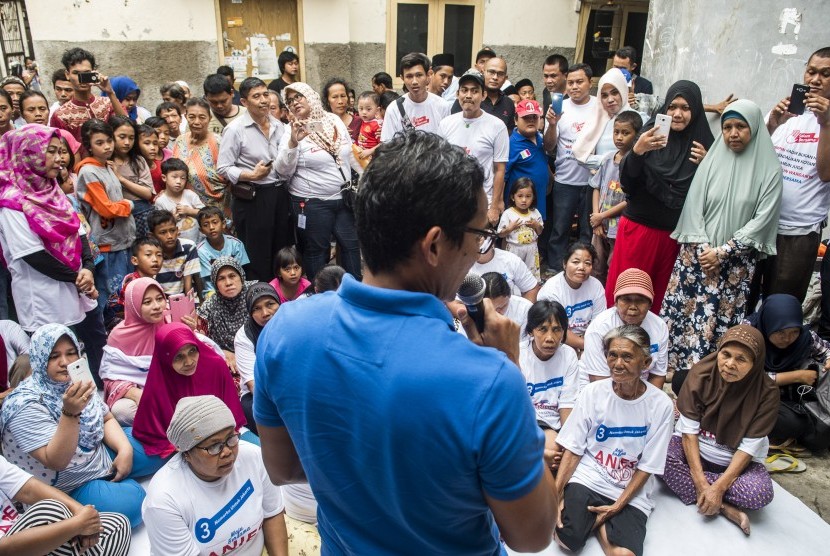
{"x":791,"y":447}
{"x":784,"y":463}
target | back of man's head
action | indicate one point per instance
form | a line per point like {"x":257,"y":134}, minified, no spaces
{"x":416,"y":181}
{"x":382,"y":78}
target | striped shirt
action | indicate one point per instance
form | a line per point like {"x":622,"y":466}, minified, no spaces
{"x":185,"y":262}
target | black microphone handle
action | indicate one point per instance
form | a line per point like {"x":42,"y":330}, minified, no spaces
{"x":476,"y":313}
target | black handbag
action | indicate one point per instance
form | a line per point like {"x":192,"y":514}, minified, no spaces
{"x":819,"y":408}
{"x":243,"y":190}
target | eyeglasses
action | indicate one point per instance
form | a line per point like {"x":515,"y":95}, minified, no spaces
{"x":289,"y":102}
{"x":494,"y":73}
{"x":216,"y":449}
{"x":486,"y":238}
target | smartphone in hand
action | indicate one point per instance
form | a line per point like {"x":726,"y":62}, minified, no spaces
{"x":797,"y":98}
{"x":79,"y":371}
{"x":180,"y":306}
{"x":663,"y":124}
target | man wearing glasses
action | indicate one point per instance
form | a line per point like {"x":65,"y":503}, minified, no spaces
{"x":496,"y":102}
{"x":413,"y":439}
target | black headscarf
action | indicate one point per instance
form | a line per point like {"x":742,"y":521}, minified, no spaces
{"x":668,"y":171}
{"x":255,"y":293}
{"x":780,"y":311}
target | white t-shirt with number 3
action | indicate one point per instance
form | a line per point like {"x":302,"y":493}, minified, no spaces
{"x":617,"y":437}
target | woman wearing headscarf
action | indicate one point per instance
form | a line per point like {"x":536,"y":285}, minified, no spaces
{"x":597,"y":137}
{"x":182,"y":366}
{"x":656,"y":176}
{"x":796,"y":357}
{"x":729,"y":222}
{"x":315,"y":157}
{"x":727,"y":407}
{"x":61,"y":431}
{"x":43,"y":242}
{"x":212,"y":477}
{"x":127,"y":92}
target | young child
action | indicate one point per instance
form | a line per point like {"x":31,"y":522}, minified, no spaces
{"x":368,"y":106}
{"x":132,"y":170}
{"x":521,"y":224}
{"x":146,"y":258}
{"x":163,"y":131}
{"x":180,"y":259}
{"x":609,"y":198}
{"x":148,"y":144}
{"x":108,"y":213}
{"x":216,"y":244}
{"x":183,"y":203}
{"x":289,"y":282}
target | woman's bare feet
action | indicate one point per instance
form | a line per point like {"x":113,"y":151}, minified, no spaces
{"x":736,"y":516}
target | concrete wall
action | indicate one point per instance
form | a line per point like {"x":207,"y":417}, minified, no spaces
{"x":152,"y":41}
{"x":736,"y":48}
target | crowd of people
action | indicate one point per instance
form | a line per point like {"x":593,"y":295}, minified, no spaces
{"x":622,"y":247}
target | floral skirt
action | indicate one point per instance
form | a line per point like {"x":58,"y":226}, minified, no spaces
{"x":699,"y":308}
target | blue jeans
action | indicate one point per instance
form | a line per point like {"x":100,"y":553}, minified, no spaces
{"x":567,"y":201}
{"x":124,"y":497}
{"x":324,"y":218}
{"x":109,"y":274}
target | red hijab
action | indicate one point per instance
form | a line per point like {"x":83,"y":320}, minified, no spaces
{"x":165,"y":387}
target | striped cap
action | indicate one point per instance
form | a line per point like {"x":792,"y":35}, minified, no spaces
{"x":634,"y":281}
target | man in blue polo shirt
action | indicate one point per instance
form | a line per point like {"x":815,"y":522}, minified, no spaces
{"x":413,"y":439}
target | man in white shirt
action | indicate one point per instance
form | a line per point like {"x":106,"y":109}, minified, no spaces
{"x":570,"y":186}
{"x":483,"y":136}
{"x":803,"y":146}
{"x":424,"y":111}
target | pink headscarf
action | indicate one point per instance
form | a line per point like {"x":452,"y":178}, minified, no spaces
{"x":74,"y":146}
{"x":165,"y":387}
{"x":24,"y":187}
{"x":134,"y":335}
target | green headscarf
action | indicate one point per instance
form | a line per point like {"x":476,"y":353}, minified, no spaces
{"x":735,"y":195}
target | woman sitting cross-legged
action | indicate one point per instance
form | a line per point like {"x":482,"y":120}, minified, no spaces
{"x":63,"y":434}
{"x":614,"y":440}
{"x":214,"y":496}
{"x":727,"y":406}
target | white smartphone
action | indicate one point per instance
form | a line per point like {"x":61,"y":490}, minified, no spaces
{"x":663,"y":124}
{"x":79,"y":371}
{"x":314,"y":126}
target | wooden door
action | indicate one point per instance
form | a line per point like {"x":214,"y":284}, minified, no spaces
{"x":241,"y":20}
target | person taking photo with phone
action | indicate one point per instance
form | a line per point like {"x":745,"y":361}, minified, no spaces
{"x":84,"y":105}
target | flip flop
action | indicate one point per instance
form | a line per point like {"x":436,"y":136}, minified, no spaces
{"x":784,"y":463}
{"x":791,"y":447}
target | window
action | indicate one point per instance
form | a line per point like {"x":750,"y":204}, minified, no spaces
{"x":432,"y":27}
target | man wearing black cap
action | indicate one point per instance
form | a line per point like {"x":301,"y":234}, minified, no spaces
{"x":483,"y":136}
{"x":443,"y":66}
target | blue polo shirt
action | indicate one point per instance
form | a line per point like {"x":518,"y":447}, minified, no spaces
{"x":401,"y":423}
{"x":527,"y":160}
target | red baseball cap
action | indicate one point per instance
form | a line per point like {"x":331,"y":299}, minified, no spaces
{"x":528,"y":107}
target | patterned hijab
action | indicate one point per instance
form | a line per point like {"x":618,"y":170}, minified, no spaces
{"x":328,"y":139}
{"x":225,"y":316}
{"x":24,"y":187}
{"x":747,"y":408}
{"x":42,"y":390}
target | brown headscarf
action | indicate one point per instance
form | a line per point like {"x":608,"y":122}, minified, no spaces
{"x":732,"y":410}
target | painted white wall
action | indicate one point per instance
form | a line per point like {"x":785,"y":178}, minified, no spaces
{"x":367,"y":20}
{"x":534,"y":23}
{"x":140,"y":20}
{"x":326,"y":21}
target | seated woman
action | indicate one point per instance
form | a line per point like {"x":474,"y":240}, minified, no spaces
{"x":581,"y":294}
{"x":14,"y":357}
{"x":614,"y":441}
{"x":633,"y":296}
{"x":54,"y":522}
{"x":514,"y":307}
{"x":63,"y":434}
{"x":262,"y":304}
{"x":182,"y":366}
{"x":727,"y":407}
{"x":795,"y":358}
{"x":190,"y":501}
{"x":550,"y":368}
{"x":221,"y":316}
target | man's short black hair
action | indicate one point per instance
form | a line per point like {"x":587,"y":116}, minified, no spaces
{"x":58,"y":75}
{"x":485,"y":52}
{"x":167,"y":105}
{"x":141,"y":242}
{"x":387,"y":98}
{"x":157,"y":218}
{"x":76,"y":56}
{"x":415,"y":181}
{"x":156,"y":122}
{"x":173,"y":164}
{"x":216,"y":84}
{"x":557,"y":60}
{"x":285,"y":57}
{"x":227,"y":71}
{"x":627,"y":53}
{"x":589,"y":73}
{"x":630,"y":117}
{"x":413,"y":59}
{"x":248,"y":84}
{"x":821,"y":53}
{"x":208,"y":211}
{"x":382,"y":78}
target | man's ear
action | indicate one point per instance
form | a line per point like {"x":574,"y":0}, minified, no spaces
{"x":430,"y":245}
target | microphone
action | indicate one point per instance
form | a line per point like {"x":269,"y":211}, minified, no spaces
{"x":471,"y":294}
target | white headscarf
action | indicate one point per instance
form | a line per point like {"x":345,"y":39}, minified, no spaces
{"x":591,"y":134}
